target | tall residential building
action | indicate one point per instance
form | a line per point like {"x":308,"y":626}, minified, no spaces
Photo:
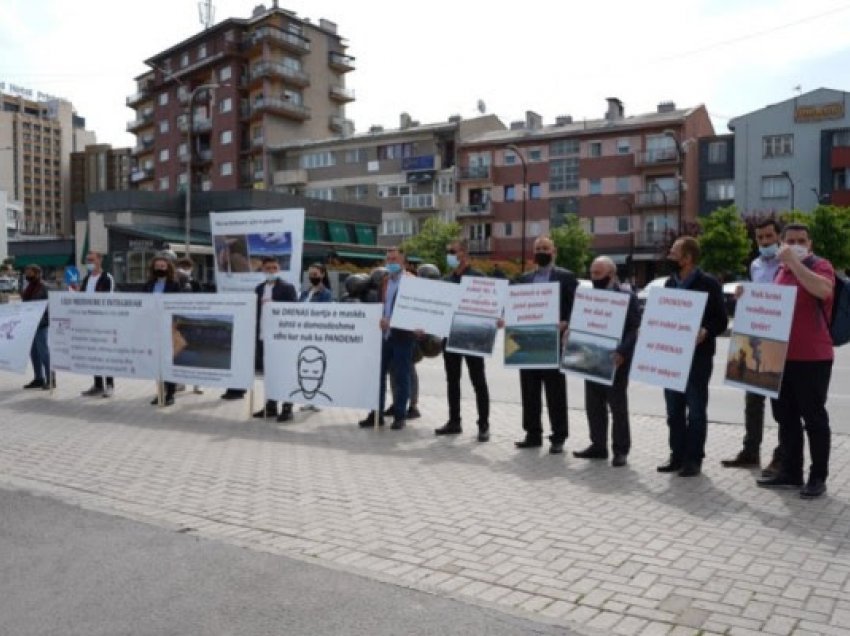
{"x":37,"y":137}
{"x":631,"y":180}
{"x":99,"y":168}
{"x":794,"y":154}
{"x":279,"y":78}
{"x":407,"y":171}
{"x":716,"y":173}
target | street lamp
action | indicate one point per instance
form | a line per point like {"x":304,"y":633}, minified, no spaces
{"x":515,"y":150}
{"x":791,"y":182}
{"x":190,"y":124}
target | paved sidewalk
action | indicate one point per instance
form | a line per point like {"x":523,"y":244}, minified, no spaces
{"x":598,"y":549}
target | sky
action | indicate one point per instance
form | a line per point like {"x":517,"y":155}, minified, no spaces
{"x":441,"y":58}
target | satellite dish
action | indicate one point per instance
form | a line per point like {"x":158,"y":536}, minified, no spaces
{"x":482,"y":107}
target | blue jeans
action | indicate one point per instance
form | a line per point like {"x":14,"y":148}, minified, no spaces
{"x":40,"y":355}
{"x":687,"y":414}
{"x":397,"y":358}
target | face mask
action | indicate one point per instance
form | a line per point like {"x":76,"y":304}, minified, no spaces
{"x":601,"y":283}
{"x":393,"y":268}
{"x":542,"y":258}
{"x":184,"y":272}
{"x":315,"y":280}
{"x":800,"y":251}
{"x":452,"y":260}
{"x":271,"y":277}
{"x":89,"y":267}
{"x":30,"y":279}
{"x":768,"y":251}
{"x":161,"y":273}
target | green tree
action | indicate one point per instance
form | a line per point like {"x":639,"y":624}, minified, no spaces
{"x":724,"y":243}
{"x":829,"y":229}
{"x":573,"y":244}
{"x":430,"y":242}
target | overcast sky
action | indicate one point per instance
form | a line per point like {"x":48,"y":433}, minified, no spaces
{"x":439,"y":58}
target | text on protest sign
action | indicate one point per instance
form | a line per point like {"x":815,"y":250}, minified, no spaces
{"x":475,"y":322}
{"x":481,"y":296}
{"x":532,"y":334}
{"x":18,"y":324}
{"x":425,"y":304}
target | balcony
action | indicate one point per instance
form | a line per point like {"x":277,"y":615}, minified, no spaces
{"x":142,"y":122}
{"x":652,"y":238}
{"x":341,"y":93}
{"x":257,"y":142}
{"x":199,"y":124}
{"x":340,"y":61}
{"x":656,"y":198}
{"x":417,"y":164}
{"x":418,"y":202}
{"x":204,"y":156}
{"x":290,"y":177}
{"x":259,"y":174}
{"x":138,"y":98}
{"x":283,"y":39}
{"x":144,"y":145}
{"x":473,"y":173}
{"x":474,"y":210}
{"x":141,"y":174}
{"x":657,"y":157}
{"x":282,"y":107}
{"x":480,"y":246}
{"x":276,"y":70}
{"x":336,"y":123}
{"x":840,"y":157}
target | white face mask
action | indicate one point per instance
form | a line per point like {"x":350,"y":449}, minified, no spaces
{"x":800,"y":251}
{"x":270,"y":278}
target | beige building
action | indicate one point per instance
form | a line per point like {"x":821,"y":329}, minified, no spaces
{"x":37,"y":137}
{"x":99,"y":168}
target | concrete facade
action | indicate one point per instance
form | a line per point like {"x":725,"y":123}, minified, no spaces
{"x":99,"y":168}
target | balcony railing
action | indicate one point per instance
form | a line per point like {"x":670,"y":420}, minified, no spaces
{"x":138,"y":97}
{"x":297,"y":176}
{"x":204,"y":156}
{"x":141,"y":174}
{"x":282,"y":107}
{"x":418,"y":202}
{"x":336,"y":123}
{"x":294,"y":76}
{"x":290,"y":41}
{"x":480,"y":246}
{"x":657,"y":156}
{"x":474,"y":209}
{"x":340,"y":61}
{"x":341,"y":93}
{"x":257,"y":142}
{"x":143,"y":146}
{"x":473,"y":172}
{"x":651,"y":238}
{"x":145,"y":120}
{"x":656,"y":198}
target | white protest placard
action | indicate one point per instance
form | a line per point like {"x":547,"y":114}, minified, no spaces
{"x":532,"y":334}
{"x":325,"y":354}
{"x":668,"y":337}
{"x":759,"y":341}
{"x":18,"y":324}
{"x":104,"y":334}
{"x":242,"y":239}
{"x":425,"y":304}
{"x":596,"y":329}
{"x":481,"y":303}
{"x":208,"y":339}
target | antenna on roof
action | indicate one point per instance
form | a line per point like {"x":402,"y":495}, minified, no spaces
{"x":799,"y":89}
{"x":482,"y":107}
{"x":206,"y":13}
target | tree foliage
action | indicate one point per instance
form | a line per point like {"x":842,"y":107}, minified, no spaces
{"x":829,"y":229}
{"x":430,"y":242}
{"x":724,"y":242}
{"x":573,"y":244}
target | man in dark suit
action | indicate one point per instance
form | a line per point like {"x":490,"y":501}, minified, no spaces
{"x":687,"y":413}
{"x":550,"y":380}
{"x":100,"y":281}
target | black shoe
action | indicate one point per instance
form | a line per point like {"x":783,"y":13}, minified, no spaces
{"x":742,"y":460}
{"x":389,"y":410}
{"x":263,"y":413}
{"x":619,"y":460}
{"x":591,"y":452}
{"x":284,"y":416}
{"x":529,"y":442}
{"x":155,"y":401}
{"x":36,"y":384}
{"x":413,"y":413}
{"x":772,"y":469}
{"x":169,"y":400}
{"x":484,"y":435}
{"x":780,"y":480}
{"x":672,"y":466}
{"x":813,"y":488}
{"x":398,"y":424}
{"x":690,"y":469}
{"x":369,"y":421}
{"x":449,"y":428}
{"x":556,"y":448}
{"x":232,"y":395}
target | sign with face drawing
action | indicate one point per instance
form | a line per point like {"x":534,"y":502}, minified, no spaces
{"x":18,"y":324}
{"x":324,"y":354}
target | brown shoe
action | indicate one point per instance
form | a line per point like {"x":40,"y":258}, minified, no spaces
{"x":772,"y":469}
{"x":742,"y":460}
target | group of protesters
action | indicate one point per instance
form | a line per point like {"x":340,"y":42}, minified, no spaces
{"x":785,"y":258}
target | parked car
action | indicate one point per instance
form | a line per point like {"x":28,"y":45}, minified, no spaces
{"x":8,"y":284}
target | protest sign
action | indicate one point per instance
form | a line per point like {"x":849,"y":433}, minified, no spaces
{"x":596,"y":328}
{"x":208,"y":339}
{"x":325,"y":354}
{"x":18,"y":324}
{"x":532,"y":335}
{"x":242,"y":239}
{"x":425,"y":304}
{"x":104,"y":334}
{"x":480,"y":305}
{"x":668,"y":337}
{"x":759,"y":340}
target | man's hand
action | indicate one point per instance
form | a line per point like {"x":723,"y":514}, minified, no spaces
{"x":385,"y":324}
{"x":786,"y":255}
{"x":420,"y":335}
{"x":619,"y":360}
{"x":739,"y":291}
{"x":563,"y":325}
{"x":701,"y":335}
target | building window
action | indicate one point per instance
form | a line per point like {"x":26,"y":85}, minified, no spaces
{"x":775,"y":188}
{"x":390,"y":191}
{"x":535,"y":155}
{"x":624,"y":185}
{"x":509,"y":229}
{"x":445,"y":186}
{"x":357,"y":192}
{"x":841,"y":179}
{"x":510,"y":193}
{"x":163,"y":155}
{"x":395,"y":151}
{"x":623,"y":225}
{"x":510,"y":158}
{"x":163,"y":183}
{"x":560,"y":208}
{"x":226,"y":169}
{"x":225,"y":74}
{"x":717,"y":152}
{"x":163,"y":98}
{"x":720,"y":190}
{"x":588,"y":225}
{"x":184,"y":60}
{"x":226,"y":137}
{"x":397,"y":227}
{"x":317,"y":160}
{"x":841,"y":138}
{"x":225,"y":105}
{"x":777,"y":146}
{"x":563,"y":174}
{"x":595,"y":186}
{"x":564,"y":147}
{"x":163,"y":127}
{"x":355,"y":155}
{"x":183,"y":178}
{"x":534,"y":191}
{"x":202,"y":51}
{"x":595,"y":149}
{"x":324,"y":194}
{"x":624,"y":146}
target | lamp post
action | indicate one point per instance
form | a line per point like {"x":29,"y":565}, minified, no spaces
{"x":515,"y":150}
{"x":791,"y":183}
{"x":189,"y":125}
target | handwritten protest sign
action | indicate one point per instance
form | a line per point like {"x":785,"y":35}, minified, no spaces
{"x":759,"y":342}
{"x":667,"y":337}
{"x":596,"y":328}
{"x":479,"y":308}
{"x":424,"y":304}
{"x":532,"y":337}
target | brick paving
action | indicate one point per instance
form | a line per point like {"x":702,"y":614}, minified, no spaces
{"x":578,"y":543}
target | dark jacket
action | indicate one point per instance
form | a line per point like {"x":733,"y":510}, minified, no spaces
{"x":282,"y":292}
{"x":37,"y":291}
{"x":454,"y":277}
{"x":171,"y":287}
{"x":324,"y":296}
{"x":714,"y":318}
{"x":630,"y":327}
{"x":104,"y":284}
{"x":569,"y":283}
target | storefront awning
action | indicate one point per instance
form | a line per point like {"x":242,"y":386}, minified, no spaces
{"x":361,"y":256}
{"x":44,"y":260}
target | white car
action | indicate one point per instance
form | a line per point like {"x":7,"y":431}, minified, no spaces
{"x":8,"y":284}
{"x":585,"y":282}
{"x":643,"y":294}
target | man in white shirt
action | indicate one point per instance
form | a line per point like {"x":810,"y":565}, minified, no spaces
{"x":98,"y":281}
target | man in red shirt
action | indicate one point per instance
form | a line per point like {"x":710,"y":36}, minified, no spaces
{"x":808,"y":366}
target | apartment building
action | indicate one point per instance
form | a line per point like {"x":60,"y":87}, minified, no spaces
{"x":276,"y":77}
{"x":99,"y":168}
{"x":716,"y":173}
{"x":630,"y":179}
{"x":38,"y":133}
{"x":409,"y":171}
{"x":794,"y":154}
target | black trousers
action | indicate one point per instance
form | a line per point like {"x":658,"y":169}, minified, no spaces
{"x":99,"y":380}
{"x":553,"y":382}
{"x":598,"y":398}
{"x":475,"y":366}
{"x":802,"y":400}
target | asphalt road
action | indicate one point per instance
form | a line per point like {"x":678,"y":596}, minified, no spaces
{"x":74,"y":572}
